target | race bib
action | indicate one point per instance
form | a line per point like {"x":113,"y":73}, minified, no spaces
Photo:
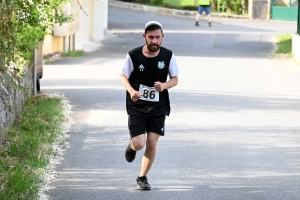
{"x":149,"y":93}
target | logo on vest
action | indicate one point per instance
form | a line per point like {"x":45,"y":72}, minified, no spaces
{"x":161,"y":65}
{"x":141,"y":67}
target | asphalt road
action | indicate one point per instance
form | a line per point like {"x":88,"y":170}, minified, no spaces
{"x":233,"y":132}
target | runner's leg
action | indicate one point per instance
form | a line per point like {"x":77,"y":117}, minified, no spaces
{"x":150,"y":153}
{"x":138,"y":142}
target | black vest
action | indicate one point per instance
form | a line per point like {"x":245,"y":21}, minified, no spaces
{"x":147,"y":71}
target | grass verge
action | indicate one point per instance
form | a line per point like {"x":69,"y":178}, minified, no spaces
{"x":28,"y":145}
{"x":73,"y":54}
{"x":284,"y":44}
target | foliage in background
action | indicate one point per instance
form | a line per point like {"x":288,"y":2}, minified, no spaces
{"x":286,"y":3}
{"x":280,"y":3}
{"x":181,"y":4}
{"x":232,"y":6}
{"x":156,"y":2}
{"x":28,"y":147}
{"x":222,"y":6}
{"x":22,"y":25}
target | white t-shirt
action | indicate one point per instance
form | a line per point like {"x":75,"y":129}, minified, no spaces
{"x":128,"y":68}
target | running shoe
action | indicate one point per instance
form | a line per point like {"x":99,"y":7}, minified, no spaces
{"x":130,"y":153}
{"x":142,"y":183}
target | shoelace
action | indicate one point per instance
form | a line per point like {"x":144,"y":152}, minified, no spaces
{"x":144,"y":180}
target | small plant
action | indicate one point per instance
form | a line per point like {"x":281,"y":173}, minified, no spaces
{"x":73,"y":54}
{"x":47,"y":62}
{"x":284,"y":44}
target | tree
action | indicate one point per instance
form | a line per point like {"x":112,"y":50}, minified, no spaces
{"x":22,"y":25}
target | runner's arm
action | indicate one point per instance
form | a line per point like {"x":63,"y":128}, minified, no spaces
{"x":135,"y":95}
{"x":173,"y":72}
{"x":167,"y":85}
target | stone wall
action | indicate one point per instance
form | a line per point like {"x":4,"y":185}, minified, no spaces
{"x":261,"y":9}
{"x":12,"y":99}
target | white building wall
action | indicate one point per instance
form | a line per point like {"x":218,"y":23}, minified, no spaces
{"x":82,"y":36}
{"x":100,"y":17}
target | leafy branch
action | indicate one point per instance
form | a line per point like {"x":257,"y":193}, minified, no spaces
{"x":22,"y":25}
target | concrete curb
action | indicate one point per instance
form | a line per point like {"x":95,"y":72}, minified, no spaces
{"x":169,"y":11}
{"x":296,"y":47}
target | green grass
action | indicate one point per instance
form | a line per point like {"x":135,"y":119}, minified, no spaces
{"x":73,"y":54}
{"x":284,"y":44}
{"x":47,"y":62}
{"x":27,"y":147}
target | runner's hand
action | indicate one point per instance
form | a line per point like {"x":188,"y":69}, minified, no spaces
{"x":135,"y":95}
{"x":158,"y":86}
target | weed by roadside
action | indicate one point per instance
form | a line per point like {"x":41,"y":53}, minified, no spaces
{"x":73,"y":54}
{"x":284,"y":44}
{"x":27,"y":147}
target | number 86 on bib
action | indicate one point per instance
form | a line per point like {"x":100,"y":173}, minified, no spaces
{"x":149,"y":93}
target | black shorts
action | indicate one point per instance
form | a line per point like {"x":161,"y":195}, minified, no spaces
{"x":138,"y":125}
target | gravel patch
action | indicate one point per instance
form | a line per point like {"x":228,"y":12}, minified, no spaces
{"x":59,"y":147}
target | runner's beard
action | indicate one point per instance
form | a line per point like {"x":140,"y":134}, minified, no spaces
{"x":153,"y":47}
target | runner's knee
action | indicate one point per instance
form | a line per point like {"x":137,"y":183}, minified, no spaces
{"x":138,"y":142}
{"x":151,"y":145}
{"x":138,"y":146}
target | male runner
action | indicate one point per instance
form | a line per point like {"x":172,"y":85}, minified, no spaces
{"x":145,"y":76}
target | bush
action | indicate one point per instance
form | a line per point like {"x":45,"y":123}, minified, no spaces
{"x":23,"y":25}
{"x":156,"y":2}
{"x":228,"y":6}
{"x":232,"y":6}
{"x":179,"y":3}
